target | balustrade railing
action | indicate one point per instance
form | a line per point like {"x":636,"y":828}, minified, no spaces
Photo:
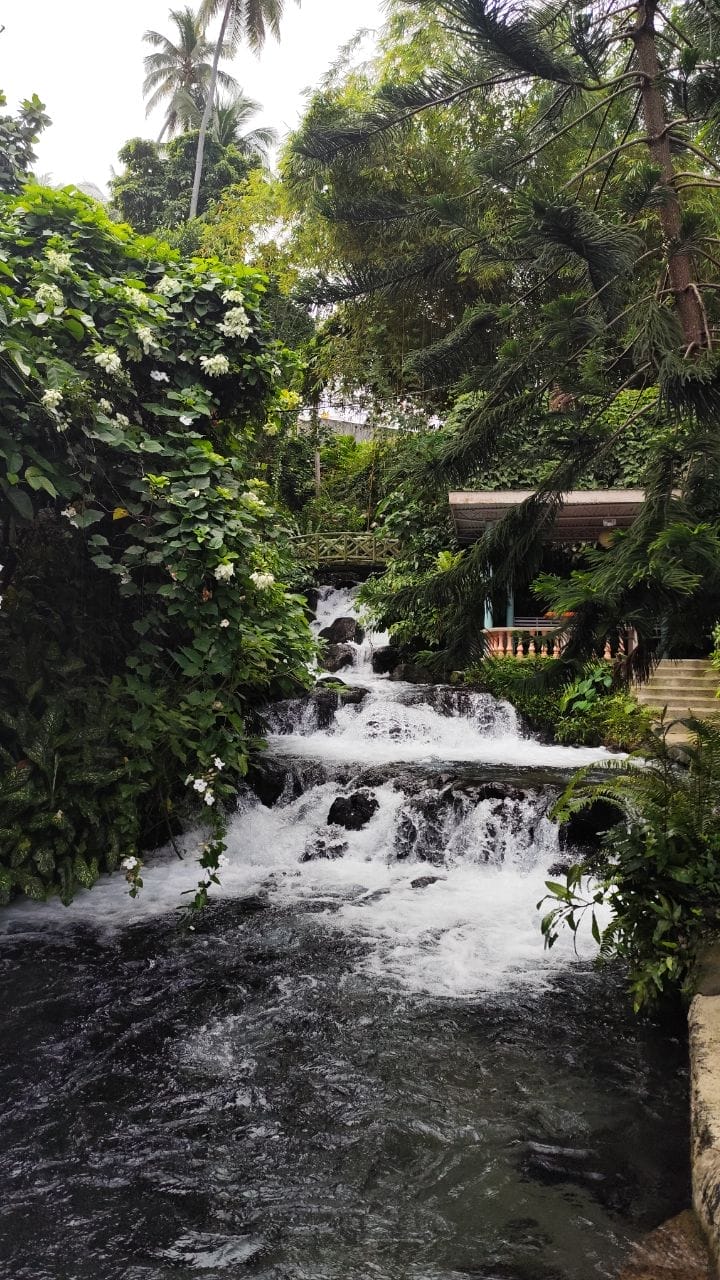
{"x":347,"y":548}
{"x":544,"y":641}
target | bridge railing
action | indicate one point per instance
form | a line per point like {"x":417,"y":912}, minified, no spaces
{"x":347,"y":548}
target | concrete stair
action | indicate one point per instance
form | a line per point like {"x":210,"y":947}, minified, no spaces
{"x":688,"y":687}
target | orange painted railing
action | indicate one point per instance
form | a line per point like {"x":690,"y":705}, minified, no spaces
{"x":544,"y":641}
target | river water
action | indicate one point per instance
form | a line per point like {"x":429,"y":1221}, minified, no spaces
{"x":361,"y":1062}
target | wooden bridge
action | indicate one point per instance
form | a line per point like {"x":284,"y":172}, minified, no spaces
{"x":368,"y":549}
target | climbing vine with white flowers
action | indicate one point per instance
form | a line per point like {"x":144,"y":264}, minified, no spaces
{"x":147,"y":580}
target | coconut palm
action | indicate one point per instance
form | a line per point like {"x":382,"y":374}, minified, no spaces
{"x":179,"y":73}
{"x":241,"y":20}
{"x":228,"y":125}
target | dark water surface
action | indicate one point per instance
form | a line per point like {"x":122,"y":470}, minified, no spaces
{"x":243,"y":1101}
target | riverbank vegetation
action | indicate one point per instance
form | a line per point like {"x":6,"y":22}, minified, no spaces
{"x":495,"y":243}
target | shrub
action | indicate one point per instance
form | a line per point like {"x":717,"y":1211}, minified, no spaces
{"x":659,"y":874}
{"x":145,"y":571}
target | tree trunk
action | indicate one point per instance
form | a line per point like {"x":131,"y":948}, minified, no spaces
{"x":681,"y":269}
{"x":208,"y":112}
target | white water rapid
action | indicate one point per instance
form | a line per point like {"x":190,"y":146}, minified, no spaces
{"x":442,"y":876}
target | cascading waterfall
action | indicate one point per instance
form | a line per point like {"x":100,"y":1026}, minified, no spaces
{"x":360,"y":1061}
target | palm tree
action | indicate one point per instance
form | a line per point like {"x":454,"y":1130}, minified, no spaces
{"x":241,"y":19}
{"x":181,"y":70}
{"x":228,"y":125}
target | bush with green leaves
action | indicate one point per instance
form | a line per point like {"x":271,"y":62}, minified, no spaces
{"x":137,"y":538}
{"x":582,"y":710}
{"x":658,"y":872}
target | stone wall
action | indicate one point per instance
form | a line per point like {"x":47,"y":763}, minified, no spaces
{"x":704,"y":1028}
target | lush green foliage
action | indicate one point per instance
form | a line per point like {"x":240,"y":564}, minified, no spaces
{"x":144,"y":569}
{"x":557,"y":254}
{"x":18,"y":135}
{"x":658,"y":872}
{"x":584,"y":710}
{"x":152,"y":191}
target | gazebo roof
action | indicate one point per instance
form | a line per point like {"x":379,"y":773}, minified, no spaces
{"x":585,"y":515}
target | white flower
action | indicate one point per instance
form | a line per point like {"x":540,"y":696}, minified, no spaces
{"x":223,"y":861}
{"x":168,"y":287}
{"x":209,"y":797}
{"x":187,"y":419}
{"x":51,"y":399}
{"x":69,"y":513}
{"x":214,"y":366}
{"x":147,"y":337}
{"x":158,"y":376}
{"x":188,"y":780}
{"x":136,"y":297}
{"x":49,"y":297}
{"x":262,"y":580}
{"x":225,"y":622}
{"x":105,"y":406}
{"x":122,"y":420}
{"x":219,"y":764}
{"x":57,"y":260}
{"x":223,"y":572}
{"x":253,"y":500}
{"x":199,"y":785}
{"x":109,"y":360}
{"x":236,"y":323}
{"x":129,"y":864}
{"x":125,"y":577}
{"x":233,"y":295}
{"x":195,"y":493}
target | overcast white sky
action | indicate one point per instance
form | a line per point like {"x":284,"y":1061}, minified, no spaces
{"x":84,"y":59}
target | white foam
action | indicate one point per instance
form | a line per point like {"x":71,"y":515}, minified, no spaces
{"x":475,"y":929}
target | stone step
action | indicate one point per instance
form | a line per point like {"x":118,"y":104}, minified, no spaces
{"x":678,"y":691}
{"x":684,"y":664}
{"x":710,"y":707}
{"x":683,"y":682}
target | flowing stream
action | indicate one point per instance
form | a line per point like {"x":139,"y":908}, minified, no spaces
{"x":361,"y":1062}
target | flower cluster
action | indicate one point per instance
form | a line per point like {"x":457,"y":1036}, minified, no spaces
{"x":262,"y":580}
{"x":252,"y":500}
{"x":51,"y":398}
{"x":233,"y":295}
{"x":57,"y":260}
{"x":236,"y":323}
{"x":109,"y":360}
{"x":203,"y":789}
{"x":49,"y":297}
{"x":224,"y":572}
{"x":136,"y":297}
{"x":168,"y":287}
{"x":147,"y":337}
{"x":215,"y":366}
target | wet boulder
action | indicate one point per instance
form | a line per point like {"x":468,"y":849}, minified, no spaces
{"x":343,"y":631}
{"x":585,"y":830}
{"x":270,"y":781}
{"x":423,"y":882}
{"x":352,"y":694}
{"x":353,"y":812}
{"x":412,"y":673}
{"x":385,"y":660}
{"x":338,"y":656}
{"x":321,"y":848}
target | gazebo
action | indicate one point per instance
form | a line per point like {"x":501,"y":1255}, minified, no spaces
{"x":590,"y":515}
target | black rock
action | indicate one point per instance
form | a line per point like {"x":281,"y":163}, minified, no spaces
{"x":343,"y":630}
{"x":270,"y":782}
{"x":385,"y":660}
{"x":559,"y":869}
{"x":322,"y":848}
{"x":422,"y":882}
{"x":585,"y":829}
{"x":353,"y":812}
{"x":338,"y":656}
{"x":412,"y":673}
